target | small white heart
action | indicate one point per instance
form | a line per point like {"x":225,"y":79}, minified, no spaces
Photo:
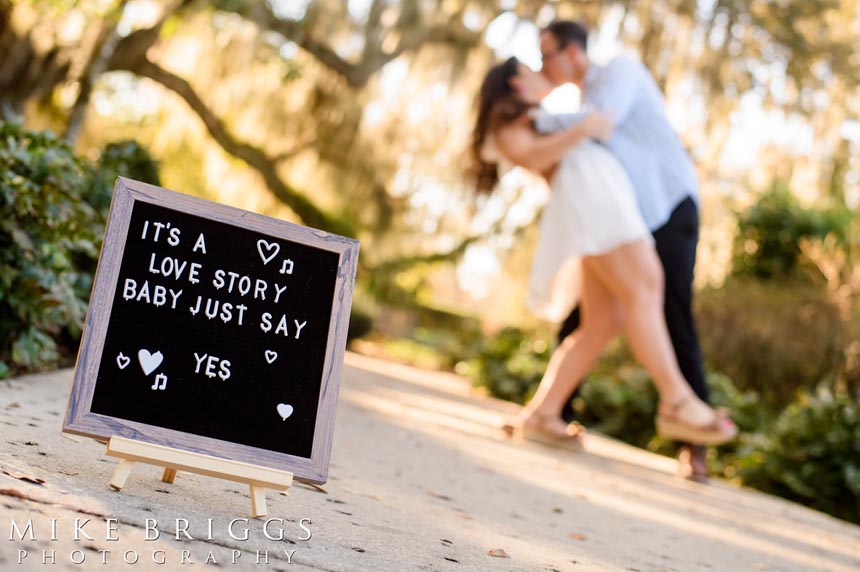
{"x":149,"y":362}
{"x":271,"y":250}
{"x":271,"y":356}
{"x":122,"y":361}
{"x":285,"y":410}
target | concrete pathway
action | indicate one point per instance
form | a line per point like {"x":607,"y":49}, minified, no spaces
{"x":420,"y":480}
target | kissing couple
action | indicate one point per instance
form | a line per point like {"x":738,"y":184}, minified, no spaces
{"x":618,"y":235}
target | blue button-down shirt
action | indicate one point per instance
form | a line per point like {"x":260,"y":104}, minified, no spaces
{"x":645,"y":143}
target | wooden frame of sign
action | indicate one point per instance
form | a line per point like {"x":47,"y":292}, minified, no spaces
{"x":135,"y":441}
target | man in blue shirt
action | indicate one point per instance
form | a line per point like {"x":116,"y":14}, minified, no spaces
{"x":663,"y":178}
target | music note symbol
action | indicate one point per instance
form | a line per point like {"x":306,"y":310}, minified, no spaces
{"x":160,"y":382}
{"x":284,"y":269}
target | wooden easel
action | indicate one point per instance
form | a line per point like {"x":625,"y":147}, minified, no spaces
{"x":257,"y":478}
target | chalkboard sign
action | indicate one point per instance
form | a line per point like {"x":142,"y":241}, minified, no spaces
{"x":216,"y":331}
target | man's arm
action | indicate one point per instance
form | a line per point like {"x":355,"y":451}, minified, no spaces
{"x":553,"y":123}
{"x":616,"y":89}
{"x":540,"y":153}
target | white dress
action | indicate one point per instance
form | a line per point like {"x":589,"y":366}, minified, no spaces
{"x":592,"y":210}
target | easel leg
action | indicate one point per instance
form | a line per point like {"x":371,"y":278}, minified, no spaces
{"x":120,"y":474}
{"x":258,"y":501}
{"x":169,"y":475}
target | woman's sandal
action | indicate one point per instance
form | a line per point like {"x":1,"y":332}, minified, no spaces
{"x":721,"y":429}
{"x":538,"y":432}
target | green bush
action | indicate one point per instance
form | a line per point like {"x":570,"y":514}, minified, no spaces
{"x":810,"y":454}
{"x":53,"y":206}
{"x":621,"y":404}
{"x":360,"y":324}
{"x":509,"y":365}
{"x":45,"y":225}
{"x":767,"y":244}
{"x":750,"y":414}
{"x":773,"y":337}
{"x":122,"y":158}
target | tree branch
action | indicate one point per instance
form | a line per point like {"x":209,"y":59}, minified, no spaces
{"x":301,"y":143}
{"x":404,"y":262}
{"x":256,"y":158}
{"x":98,"y":62}
{"x":373,"y":57}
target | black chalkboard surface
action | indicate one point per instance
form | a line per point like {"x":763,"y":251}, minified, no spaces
{"x":214,"y":330}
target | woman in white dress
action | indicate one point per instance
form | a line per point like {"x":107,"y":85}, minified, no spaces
{"x":593,"y":240}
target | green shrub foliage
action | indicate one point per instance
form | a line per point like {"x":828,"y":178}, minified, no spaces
{"x":767,"y":244}
{"x":123,"y":158}
{"x":771,"y":336}
{"x":810,"y":454}
{"x":509,"y":365}
{"x":53,"y":206}
{"x":45,"y":227}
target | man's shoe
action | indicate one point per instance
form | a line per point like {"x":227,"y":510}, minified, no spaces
{"x":692,"y":464}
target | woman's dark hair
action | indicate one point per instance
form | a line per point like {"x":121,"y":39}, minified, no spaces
{"x":568,"y":32}
{"x":498,"y":104}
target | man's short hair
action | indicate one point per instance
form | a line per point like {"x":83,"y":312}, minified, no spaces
{"x":569,"y":32}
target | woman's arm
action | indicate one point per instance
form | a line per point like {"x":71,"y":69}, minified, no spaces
{"x":538,"y":153}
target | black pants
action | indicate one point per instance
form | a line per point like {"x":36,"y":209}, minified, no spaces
{"x":676,"y":243}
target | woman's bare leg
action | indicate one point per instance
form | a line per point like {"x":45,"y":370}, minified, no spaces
{"x":573,"y":358}
{"x":634,"y":275}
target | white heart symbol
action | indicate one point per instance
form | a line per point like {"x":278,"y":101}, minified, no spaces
{"x":285,"y":410}
{"x":272,"y":249}
{"x":149,"y":362}
{"x":122,"y":361}
{"x":271,"y":356}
